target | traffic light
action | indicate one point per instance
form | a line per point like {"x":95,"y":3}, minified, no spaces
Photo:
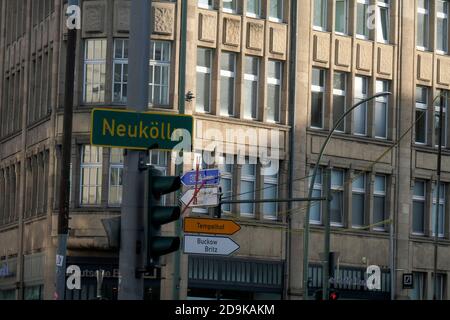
{"x":158,"y":215}
{"x":333,"y":295}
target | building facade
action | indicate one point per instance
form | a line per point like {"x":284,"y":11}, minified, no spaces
{"x":281,"y":71}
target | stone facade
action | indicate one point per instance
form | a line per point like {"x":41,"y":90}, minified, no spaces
{"x":32,"y":60}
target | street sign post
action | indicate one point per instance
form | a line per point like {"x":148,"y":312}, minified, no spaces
{"x":208,"y":177}
{"x":137,"y":130}
{"x":210,"y":226}
{"x":206,"y":197}
{"x":209,"y":245}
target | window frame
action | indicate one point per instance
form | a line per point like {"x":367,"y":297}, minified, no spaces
{"x":442,"y":201}
{"x":424,"y":108}
{"x":381,"y":194}
{"x":436,"y":113}
{"x":422,"y":199}
{"x":321,"y":90}
{"x":163,"y":65}
{"x":227,"y":10}
{"x":251,"y":14}
{"x":113,"y":166}
{"x":276,"y":19}
{"x":425,"y":12}
{"x":363,"y":192}
{"x":228,"y":75}
{"x":276,"y":83}
{"x":340,"y":93}
{"x":341,"y":189}
{"x":208,"y":71}
{"x":253,"y":79}
{"x":208,"y":6}
{"x":443,"y":16}
{"x":274,"y":182}
{"x":101,"y":62}
{"x":346,"y":27}
{"x":384,"y":87}
{"x":387,"y":7}
{"x":91,"y":165}
{"x":120,"y":61}
{"x":359,"y":96}
{"x":366,"y":5}
{"x":251,"y":179}
{"x":324,"y":15}
{"x":317,"y":186}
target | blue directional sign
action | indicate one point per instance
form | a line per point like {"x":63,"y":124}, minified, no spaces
{"x":208,"y":177}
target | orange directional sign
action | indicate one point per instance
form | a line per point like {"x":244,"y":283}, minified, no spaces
{"x":210,"y":226}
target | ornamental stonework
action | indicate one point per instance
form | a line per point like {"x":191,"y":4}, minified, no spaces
{"x":163,"y":20}
{"x":232,"y":32}
{"x":208,"y":27}
{"x":94,"y":17}
{"x":255,"y":36}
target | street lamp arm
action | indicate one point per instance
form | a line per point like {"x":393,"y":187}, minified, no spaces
{"x":311,"y":186}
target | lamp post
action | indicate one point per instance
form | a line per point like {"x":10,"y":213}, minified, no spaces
{"x":438,"y":187}
{"x":311,"y":185}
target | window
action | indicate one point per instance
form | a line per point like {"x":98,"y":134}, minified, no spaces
{"x":441,"y":286}
{"x":251,"y":78}
{"x":444,"y":95}
{"x":418,"y":292}
{"x":248,"y":184}
{"x":339,"y":100}
{"x":270,"y":210}
{"x":379,"y":203}
{"x":94,"y":70}
{"x":442,"y":26}
{"x":341,"y":15}
{"x":254,"y":8}
{"x":337,"y":202}
{"x":115,"y":177}
{"x":204,"y":61}
{"x":362,"y":17}
{"x":227,"y":83}
{"x":276,"y":10}
{"x":120,"y":84}
{"x":317,"y":98}
{"x":358,"y":200}
{"x":383,"y":19}
{"x":422,"y":24}
{"x":421,"y":114}
{"x":205,"y":4}
{"x":441,"y":211}
{"x":419,"y":193}
{"x":226,"y":181}
{"x":360,"y":113}
{"x":316,"y":206}
{"x":91,"y":175}
{"x":274,"y":90}
{"x":381,"y":110}
{"x":159,"y":73}
{"x":320,"y":15}
{"x":229,"y":6}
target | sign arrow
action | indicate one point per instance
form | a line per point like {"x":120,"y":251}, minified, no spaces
{"x":206,"y":197}
{"x":210,"y":226}
{"x":209,"y":245}
{"x":208,"y":177}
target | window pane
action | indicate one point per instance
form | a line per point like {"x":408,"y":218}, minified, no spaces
{"x":380,"y":119}
{"x":247,"y":193}
{"x":379,"y":211}
{"x":359,"y":116}
{"x":336,"y":207}
{"x":358,"y":210}
{"x":361,"y":27}
{"x":383,"y":24}
{"x":341,"y":16}
{"x":320,"y":13}
{"x":227,"y":96}
{"x":251,"y":99}
{"x":273,"y":102}
{"x":338,"y":111}
{"x":418,"y":216}
{"x":421,"y":126}
{"x":203,"y":91}
{"x":253,"y":7}
{"x":276,"y":9}
{"x":317,"y":109}
{"x":318,"y":77}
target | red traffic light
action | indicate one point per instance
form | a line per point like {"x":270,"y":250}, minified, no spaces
{"x":333,"y":296}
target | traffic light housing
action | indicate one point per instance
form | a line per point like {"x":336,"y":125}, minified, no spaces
{"x":333,"y":295}
{"x":158,"y":215}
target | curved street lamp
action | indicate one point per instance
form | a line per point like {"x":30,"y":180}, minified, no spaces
{"x":311,"y":185}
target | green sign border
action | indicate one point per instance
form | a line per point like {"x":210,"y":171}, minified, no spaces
{"x":133,"y":111}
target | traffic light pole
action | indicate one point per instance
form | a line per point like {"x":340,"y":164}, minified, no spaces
{"x":131,"y":283}
{"x":64,"y":182}
{"x":326,"y":222}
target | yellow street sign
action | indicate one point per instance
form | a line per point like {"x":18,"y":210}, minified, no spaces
{"x":210,"y":226}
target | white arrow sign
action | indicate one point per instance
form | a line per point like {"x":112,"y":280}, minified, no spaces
{"x":206,"y":197}
{"x":218,"y":246}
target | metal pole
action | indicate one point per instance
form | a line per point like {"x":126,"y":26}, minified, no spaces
{"x":438,"y":187}
{"x":272,"y":200}
{"x":64,"y":180}
{"x":326,"y":248}
{"x":131,"y":283}
{"x":313,"y":178}
{"x":179,"y":168}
